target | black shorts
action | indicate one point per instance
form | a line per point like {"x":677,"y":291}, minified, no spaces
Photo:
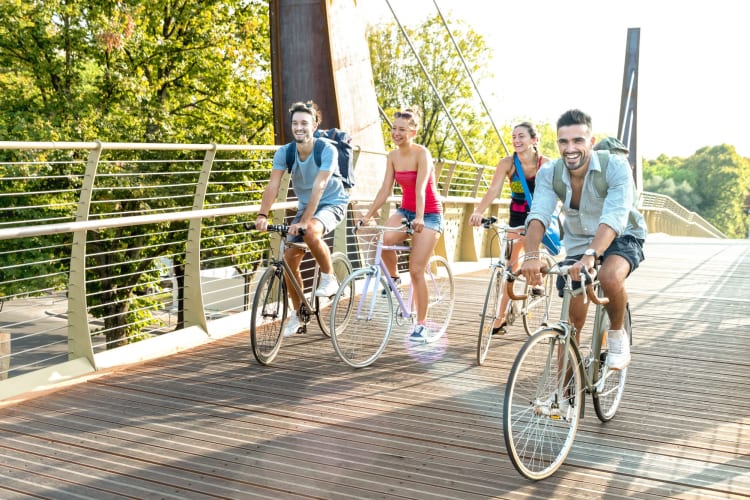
{"x":517,"y":218}
{"x":628,"y":247}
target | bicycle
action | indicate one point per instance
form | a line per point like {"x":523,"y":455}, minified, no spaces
{"x":269,"y":310}
{"x":544,"y":393}
{"x":534,"y":308}
{"x":372,"y":312}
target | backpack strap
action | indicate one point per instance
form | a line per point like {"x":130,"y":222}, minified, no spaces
{"x":291,"y":154}
{"x":599,"y":177}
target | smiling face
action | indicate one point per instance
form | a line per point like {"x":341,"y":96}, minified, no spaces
{"x":402,"y":131}
{"x":575,"y":143}
{"x":522,"y":139}
{"x":303,"y":126}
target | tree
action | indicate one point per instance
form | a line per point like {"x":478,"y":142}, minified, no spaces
{"x":714,"y":182}
{"x":133,"y":71}
{"x":400,"y":82}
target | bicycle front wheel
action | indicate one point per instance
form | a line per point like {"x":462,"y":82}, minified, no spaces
{"x":342,"y":268}
{"x":268,"y":315}
{"x":543,"y":406}
{"x":608,"y":396}
{"x":361,"y":318}
{"x":441,"y":290}
{"x":536,"y":306}
{"x":490,"y":312}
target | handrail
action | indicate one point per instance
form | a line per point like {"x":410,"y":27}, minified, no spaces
{"x":172,"y":222}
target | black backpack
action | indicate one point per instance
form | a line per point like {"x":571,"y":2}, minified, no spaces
{"x":342,"y":141}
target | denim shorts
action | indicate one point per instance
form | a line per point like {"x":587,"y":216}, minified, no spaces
{"x":330,"y":216}
{"x":628,"y":247}
{"x":431,"y":221}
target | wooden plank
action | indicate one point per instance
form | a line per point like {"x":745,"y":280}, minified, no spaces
{"x":212,"y":423}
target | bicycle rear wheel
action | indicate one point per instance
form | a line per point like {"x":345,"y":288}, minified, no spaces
{"x":342,"y":268}
{"x":609,"y":396}
{"x":440,"y":288}
{"x":361,"y":318}
{"x":490,"y":312}
{"x":540,"y":419}
{"x":268,"y":315}
{"x":536,"y":306}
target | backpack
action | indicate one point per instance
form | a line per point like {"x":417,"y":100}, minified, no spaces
{"x":342,"y":142}
{"x":599,"y":176}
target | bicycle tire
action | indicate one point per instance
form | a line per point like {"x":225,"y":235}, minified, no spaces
{"x":535,"y":310}
{"x":607,"y":400}
{"x":537,"y":436}
{"x":441,"y":295}
{"x":268,"y":315}
{"x":362,"y":335}
{"x":489,"y":312}
{"x":342,"y":268}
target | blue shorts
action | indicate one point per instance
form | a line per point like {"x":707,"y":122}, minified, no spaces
{"x":628,"y":247}
{"x":330,"y":216}
{"x":431,"y":221}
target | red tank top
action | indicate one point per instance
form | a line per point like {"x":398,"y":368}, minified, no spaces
{"x":408,"y":181}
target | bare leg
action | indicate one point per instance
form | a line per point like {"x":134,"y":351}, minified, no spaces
{"x":293,"y":257}
{"x":612,"y":275}
{"x":422,"y":245}
{"x":517,"y":246}
{"x":390,"y":259}
{"x":318,"y":248}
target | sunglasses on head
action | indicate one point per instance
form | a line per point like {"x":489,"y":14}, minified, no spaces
{"x":403,"y":114}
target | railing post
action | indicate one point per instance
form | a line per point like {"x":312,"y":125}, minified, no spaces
{"x":79,"y":336}
{"x":194,"y":312}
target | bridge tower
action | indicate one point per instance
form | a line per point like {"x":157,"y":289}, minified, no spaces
{"x":627,"y":130}
{"x":319,"y":51}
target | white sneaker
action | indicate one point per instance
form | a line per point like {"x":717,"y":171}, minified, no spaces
{"x":618,"y":347}
{"x":292,"y":325}
{"x":329,"y":285}
{"x":552,"y":409}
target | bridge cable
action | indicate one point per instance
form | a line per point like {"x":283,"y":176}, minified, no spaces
{"x":429,"y":80}
{"x":468,"y":72}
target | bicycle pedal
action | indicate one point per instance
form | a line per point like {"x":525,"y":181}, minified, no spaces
{"x":302,"y":329}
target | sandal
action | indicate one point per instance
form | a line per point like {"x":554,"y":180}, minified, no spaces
{"x":499,"y":330}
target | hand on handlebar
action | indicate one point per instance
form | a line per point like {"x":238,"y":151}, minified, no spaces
{"x":531,"y":269}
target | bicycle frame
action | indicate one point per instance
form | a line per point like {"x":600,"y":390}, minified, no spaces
{"x":592,"y":362}
{"x":381,"y":270}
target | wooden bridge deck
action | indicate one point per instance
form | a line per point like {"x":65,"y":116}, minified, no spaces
{"x":212,"y":423}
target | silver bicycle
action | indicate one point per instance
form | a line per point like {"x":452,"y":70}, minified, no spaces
{"x":270,"y":302}
{"x":533,"y":309}
{"x":544,"y":393}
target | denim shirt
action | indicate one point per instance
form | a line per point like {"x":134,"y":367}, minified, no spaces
{"x":617,"y":210}
{"x":305,"y":172}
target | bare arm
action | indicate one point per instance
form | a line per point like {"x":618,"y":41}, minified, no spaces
{"x":498,"y":178}
{"x":269,"y":196}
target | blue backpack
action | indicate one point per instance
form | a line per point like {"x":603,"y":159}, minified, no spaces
{"x":342,"y":142}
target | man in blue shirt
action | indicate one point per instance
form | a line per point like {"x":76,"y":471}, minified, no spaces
{"x":322,"y":202}
{"x":594,"y":226}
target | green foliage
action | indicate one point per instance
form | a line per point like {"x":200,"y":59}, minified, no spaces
{"x":714,"y":182}
{"x":126,"y":71}
{"x":400,"y":82}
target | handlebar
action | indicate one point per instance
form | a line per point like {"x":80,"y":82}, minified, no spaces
{"x":488,"y":222}
{"x":561,"y":270}
{"x":405,"y":227}
{"x":282,"y":229}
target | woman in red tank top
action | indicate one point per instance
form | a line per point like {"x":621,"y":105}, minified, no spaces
{"x":411,"y":166}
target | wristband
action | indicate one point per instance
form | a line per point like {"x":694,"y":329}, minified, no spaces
{"x":262,"y":215}
{"x":530,"y":257}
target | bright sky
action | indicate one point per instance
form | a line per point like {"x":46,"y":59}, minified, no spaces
{"x":550,"y":56}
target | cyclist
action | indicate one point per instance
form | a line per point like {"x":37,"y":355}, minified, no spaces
{"x":410,"y":165}
{"x":322,"y":202}
{"x":526,"y":149}
{"x":609,"y":227}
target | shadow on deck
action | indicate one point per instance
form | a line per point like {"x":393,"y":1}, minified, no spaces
{"x":212,"y":423}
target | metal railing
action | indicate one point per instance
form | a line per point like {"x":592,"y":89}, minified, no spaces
{"x":116,"y":253}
